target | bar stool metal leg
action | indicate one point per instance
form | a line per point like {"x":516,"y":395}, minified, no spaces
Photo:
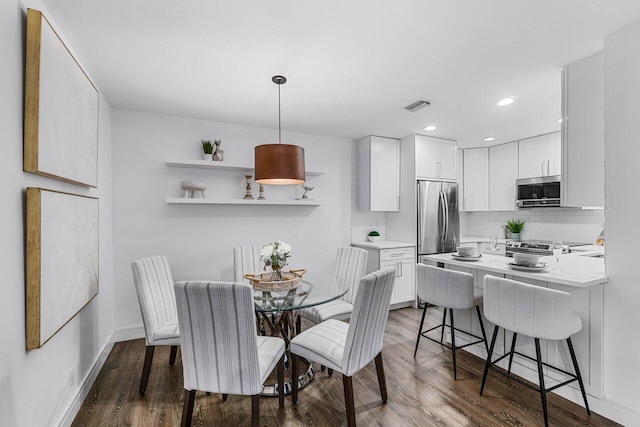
{"x":543,"y":391}
{"x":424,"y":313}
{"x":577,"y":369}
{"x":453,"y":344}
{"x":513,"y":349}
{"x":444,"y":320}
{"x":487,"y":365}
{"x":484,"y":335}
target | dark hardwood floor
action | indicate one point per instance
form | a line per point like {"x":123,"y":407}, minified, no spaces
{"x":422,"y":392}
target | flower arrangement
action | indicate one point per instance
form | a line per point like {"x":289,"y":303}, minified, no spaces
{"x":275,"y":255}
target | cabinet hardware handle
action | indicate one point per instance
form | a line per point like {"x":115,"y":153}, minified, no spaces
{"x":542,"y":168}
{"x":548,"y":163}
{"x":397,"y":255}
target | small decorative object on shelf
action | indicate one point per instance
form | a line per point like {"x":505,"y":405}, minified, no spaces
{"x":248,"y":194}
{"x":306,"y":190}
{"x":190,"y":186}
{"x":207,"y":149}
{"x":275,"y":255}
{"x":261,"y":197}
{"x":218,"y":155}
{"x":373,"y":236}
{"x":514,"y":227}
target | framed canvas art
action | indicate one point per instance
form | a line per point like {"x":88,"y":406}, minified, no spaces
{"x":61,"y":109}
{"x":62,"y":260}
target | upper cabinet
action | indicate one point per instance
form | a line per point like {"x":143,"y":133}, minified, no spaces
{"x":476,"y":179}
{"x":540,"y":156}
{"x":583,"y":132}
{"x":503,"y":172}
{"x":436,"y":158}
{"x":379,"y":174}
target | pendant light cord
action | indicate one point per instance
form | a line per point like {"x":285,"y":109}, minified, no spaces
{"x":279,"y":115}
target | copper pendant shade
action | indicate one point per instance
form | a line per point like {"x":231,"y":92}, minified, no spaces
{"x":279,"y":164}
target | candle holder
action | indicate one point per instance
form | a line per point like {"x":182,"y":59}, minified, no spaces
{"x":248,"y":195}
{"x":261,"y":196}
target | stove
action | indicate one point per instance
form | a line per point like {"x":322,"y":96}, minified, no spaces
{"x":541,"y":248}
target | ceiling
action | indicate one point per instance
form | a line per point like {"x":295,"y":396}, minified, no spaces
{"x":352,"y":65}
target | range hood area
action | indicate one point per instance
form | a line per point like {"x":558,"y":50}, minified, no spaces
{"x":539,"y":192}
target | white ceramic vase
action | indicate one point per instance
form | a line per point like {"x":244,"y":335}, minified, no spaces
{"x":207,"y":156}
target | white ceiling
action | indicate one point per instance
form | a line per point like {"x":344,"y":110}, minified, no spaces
{"x":352,"y":65}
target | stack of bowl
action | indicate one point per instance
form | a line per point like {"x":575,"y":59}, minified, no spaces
{"x":527,"y":260}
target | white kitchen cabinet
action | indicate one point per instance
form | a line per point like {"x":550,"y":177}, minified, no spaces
{"x":460,"y":179}
{"x":379,"y":174}
{"x":540,"y":156}
{"x":583,"y":133}
{"x":436,"y":158}
{"x":404,"y":261}
{"x":476,"y":179}
{"x":503,"y":172}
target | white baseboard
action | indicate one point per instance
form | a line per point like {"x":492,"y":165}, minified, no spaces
{"x":129,"y":333}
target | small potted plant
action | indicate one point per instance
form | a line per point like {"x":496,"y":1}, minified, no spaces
{"x":514,"y":226}
{"x":373,"y":236}
{"x":207,"y":149}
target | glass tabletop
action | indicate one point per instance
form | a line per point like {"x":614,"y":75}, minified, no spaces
{"x":314,"y":289}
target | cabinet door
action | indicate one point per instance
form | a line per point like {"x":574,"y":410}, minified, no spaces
{"x":379,"y":170}
{"x":404,"y":287}
{"x":460,"y":176}
{"x":530,"y":160}
{"x":552,"y":154}
{"x":447,"y":158}
{"x":426,"y":157}
{"x":476,"y":179}
{"x":503,"y":172}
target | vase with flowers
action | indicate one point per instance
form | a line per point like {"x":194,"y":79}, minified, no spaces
{"x":275,"y":255}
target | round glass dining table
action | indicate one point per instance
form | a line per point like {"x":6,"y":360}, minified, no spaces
{"x":277,"y":314}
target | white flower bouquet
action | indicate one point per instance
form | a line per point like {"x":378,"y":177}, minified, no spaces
{"x":275,"y":255}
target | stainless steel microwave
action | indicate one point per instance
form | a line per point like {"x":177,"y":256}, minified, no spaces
{"x":539,"y":192}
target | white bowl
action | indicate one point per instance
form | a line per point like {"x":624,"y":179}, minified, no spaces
{"x":467,"y":250}
{"x":528,"y":260}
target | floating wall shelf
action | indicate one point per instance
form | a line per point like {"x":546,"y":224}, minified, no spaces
{"x":185,"y":201}
{"x":208,"y":164}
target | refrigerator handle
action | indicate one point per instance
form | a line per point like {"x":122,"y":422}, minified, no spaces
{"x":446,"y":212}
{"x":444,"y":217}
{"x":419,"y":219}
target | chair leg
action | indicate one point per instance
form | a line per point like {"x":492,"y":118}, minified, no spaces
{"x":543,"y":391}
{"x":187,"y":407}
{"x":484,"y":335}
{"x":172,"y":355}
{"x":513,"y":349}
{"x":347,"y":384}
{"x":322,"y":368}
{"x":329,"y":372}
{"x":225,"y":397}
{"x":487,"y":364}
{"x":453,"y":344}
{"x":281,"y":381}
{"x":424,"y":313}
{"x":577,"y":369}
{"x":381,"y":380}
{"x":444,"y":320}
{"x":294,"y":378}
{"x":255,"y":410}
{"x":148,"y":358}
{"x":298,"y":324}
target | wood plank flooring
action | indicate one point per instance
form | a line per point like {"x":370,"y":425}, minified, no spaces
{"x":422,"y":392}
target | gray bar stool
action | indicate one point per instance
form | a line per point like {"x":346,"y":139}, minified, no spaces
{"x":536,"y":312}
{"x":451,"y":290}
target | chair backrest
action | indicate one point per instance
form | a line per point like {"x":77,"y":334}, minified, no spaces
{"x":368,"y":320}
{"x":218,"y":337}
{"x":154,"y":286}
{"x":526,"y":309}
{"x":444,"y":288}
{"x":246,"y":259}
{"x":351,"y":264}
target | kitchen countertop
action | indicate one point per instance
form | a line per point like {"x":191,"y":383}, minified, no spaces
{"x":575,"y":270}
{"x":383,"y":244}
{"x":476,"y":239}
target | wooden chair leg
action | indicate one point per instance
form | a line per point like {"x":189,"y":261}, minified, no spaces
{"x":577,"y":369}
{"x":322,"y":368}
{"x":146,"y":368}
{"x":329,"y":372}
{"x":255,"y":410}
{"x":187,"y":407}
{"x":347,"y":384}
{"x":453,"y":344}
{"x":543,"y":391}
{"x":172,"y":355}
{"x":294,"y":378}
{"x":484,"y":334}
{"x":381,"y":380}
{"x":280,"y":368}
{"x":513,"y":349}
{"x":487,"y":364}
{"x":424,"y":313}
{"x":225,"y":397}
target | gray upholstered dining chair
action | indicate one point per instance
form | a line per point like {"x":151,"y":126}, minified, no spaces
{"x":451,"y":290}
{"x":246,"y":259}
{"x":539,"y":313}
{"x":347,"y":348}
{"x":154,"y":286}
{"x":221,"y":351}
{"x":350,"y":266}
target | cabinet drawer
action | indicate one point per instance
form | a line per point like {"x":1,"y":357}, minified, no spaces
{"x":396,"y":254}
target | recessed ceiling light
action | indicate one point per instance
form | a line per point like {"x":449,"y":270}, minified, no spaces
{"x":559,"y":120}
{"x":505,"y":101}
{"x":489,"y":138}
{"x":431,"y":127}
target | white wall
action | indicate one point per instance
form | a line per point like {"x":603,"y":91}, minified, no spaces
{"x":34,"y":387}
{"x":198,"y":240}
{"x":622,"y":205}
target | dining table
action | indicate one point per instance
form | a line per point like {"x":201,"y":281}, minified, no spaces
{"x":278,"y":314}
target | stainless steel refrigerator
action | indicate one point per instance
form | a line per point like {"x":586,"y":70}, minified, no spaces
{"x":438,"y":217}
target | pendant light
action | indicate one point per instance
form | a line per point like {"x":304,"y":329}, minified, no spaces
{"x":279,"y":164}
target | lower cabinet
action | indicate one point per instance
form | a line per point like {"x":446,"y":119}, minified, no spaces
{"x":404,"y":261}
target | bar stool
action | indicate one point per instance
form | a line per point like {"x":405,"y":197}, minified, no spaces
{"x":536,"y":312}
{"x":451,"y":290}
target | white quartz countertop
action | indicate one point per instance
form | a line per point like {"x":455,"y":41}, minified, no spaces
{"x":481,"y":239}
{"x":575,"y":270}
{"x":384,"y":244}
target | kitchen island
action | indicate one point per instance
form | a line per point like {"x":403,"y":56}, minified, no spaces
{"x":583,"y":277}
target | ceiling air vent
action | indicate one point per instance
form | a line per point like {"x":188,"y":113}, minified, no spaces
{"x":421,"y":103}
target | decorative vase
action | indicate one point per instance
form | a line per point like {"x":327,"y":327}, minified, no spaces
{"x":515,"y":236}
{"x":276,"y":273}
{"x":206,"y":156}
{"x":373,"y":238}
{"x":218,"y":155}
